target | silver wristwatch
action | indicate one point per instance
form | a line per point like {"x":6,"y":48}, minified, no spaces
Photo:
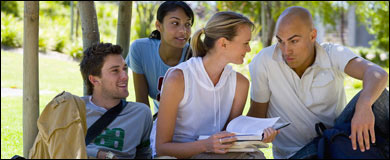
{"x":110,"y":155}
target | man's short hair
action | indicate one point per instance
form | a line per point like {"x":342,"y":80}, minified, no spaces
{"x":93,"y":60}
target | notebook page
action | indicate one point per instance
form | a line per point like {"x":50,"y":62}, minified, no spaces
{"x":250,"y":125}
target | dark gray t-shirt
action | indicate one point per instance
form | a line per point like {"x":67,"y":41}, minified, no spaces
{"x":130,"y":129}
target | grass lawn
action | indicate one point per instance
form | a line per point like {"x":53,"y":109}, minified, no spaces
{"x":56,"y":76}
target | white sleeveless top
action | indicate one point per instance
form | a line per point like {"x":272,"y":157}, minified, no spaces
{"x":204,"y":108}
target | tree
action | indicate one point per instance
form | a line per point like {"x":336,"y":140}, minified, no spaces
{"x":265,"y":14}
{"x":30,"y":75}
{"x":144,"y":20}
{"x":124,"y":21}
{"x":10,"y":7}
{"x":89,"y":25}
{"x":375,"y":16}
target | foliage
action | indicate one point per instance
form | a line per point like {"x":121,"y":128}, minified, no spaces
{"x":54,"y":27}
{"x":54,"y":18}
{"x":10,"y":7}
{"x":377,"y":56}
{"x":53,"y":9}
{"x":11,"y":28}
{"x":372,"y":13}
{"x":143,"y":23}
{"x":75,"y":50}
{"x":375,"y":15}
{"x":107,"y":15}
{"x":251,"y":9}
{"x":202,"y":13}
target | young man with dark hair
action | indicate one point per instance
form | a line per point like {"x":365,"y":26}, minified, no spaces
{"x":105,"y":73}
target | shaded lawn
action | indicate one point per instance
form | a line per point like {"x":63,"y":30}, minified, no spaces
{"x":57,"y":76}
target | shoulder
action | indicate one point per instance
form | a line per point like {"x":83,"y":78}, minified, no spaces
{"x":145,"y":41}
{"x":265,"y":55}
{"x":175,"y":76}
{"x":242,"y":80}
{"x":143,"y":50}
{"x":327,"y":46}
{"x":140,"y":109}
{"x":144,"y":45}
{"x":333,"y":49}
{"x":263,"y":60}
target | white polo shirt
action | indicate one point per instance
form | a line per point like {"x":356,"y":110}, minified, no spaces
{"x":318,"y":96}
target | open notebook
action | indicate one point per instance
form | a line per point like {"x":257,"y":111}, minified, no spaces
{"x":248,"y":128}
{"x":249,"y":132}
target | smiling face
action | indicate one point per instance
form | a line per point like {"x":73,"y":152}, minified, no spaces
{"x":114,"y":79}
{"x":296,"y":39}
{"x":239,"y":46}
{"x":175,"y":29}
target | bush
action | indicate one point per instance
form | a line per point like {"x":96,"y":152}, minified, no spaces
{"x":11,"y":30}
{"x":376,"y":56}
{"x":43,"y":43}
{"x":75,"y":50}
{"x":10,"y":7}
{"x":107,"y":14}
{"x":53,"y":9}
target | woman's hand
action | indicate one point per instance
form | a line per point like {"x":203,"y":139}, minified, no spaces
{"x":270,"y":134}
{"x":220,"y":142}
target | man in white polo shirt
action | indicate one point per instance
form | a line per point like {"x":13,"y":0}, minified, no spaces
{"x":302,"y":82}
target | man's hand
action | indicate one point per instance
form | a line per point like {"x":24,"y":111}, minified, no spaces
{"x":362,"y":126}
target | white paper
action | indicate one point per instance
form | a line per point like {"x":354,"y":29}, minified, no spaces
{"x":250,"y":125}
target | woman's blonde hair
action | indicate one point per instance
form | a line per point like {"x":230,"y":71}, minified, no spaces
{"x":222,"y":24}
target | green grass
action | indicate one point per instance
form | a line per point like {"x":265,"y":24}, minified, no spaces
{"x":57,"y":76}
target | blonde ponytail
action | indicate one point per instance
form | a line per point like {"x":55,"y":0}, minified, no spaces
{"x":221,"y":24}
{"x":198,"y":47}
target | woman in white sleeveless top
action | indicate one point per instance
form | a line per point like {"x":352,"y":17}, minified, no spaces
{"x":200,"y":96}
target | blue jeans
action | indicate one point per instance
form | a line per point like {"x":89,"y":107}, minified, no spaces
{"x":381,"y":112}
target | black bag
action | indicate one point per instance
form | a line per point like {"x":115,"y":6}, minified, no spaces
{"x":17,"y":157}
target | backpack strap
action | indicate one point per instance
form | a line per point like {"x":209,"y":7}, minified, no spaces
{"x":101,"y":124}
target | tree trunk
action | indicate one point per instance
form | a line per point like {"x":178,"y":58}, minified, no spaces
{"x":30,"y":74}
{"x":89,"y":25}
{"x":267,"y":24}
{"x":263,"y":24}
{"x":71,"y":20}
{"x":124,"y":28}
{"x":77,"y":21}
{"x":270,"y":25}
{"x":342,"y":26}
